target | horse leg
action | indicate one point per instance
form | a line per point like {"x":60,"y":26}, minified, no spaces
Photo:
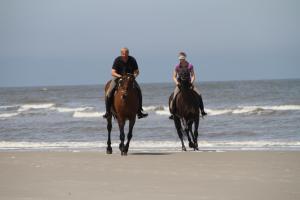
{"x":188,"y":130}
{"x":179,"y":131}
{"x":122,"y":135}
{"x":109,"y":126}
{"x":129,"y":135}
{"x":196,"y":125}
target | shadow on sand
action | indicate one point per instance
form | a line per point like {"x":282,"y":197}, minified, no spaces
{"x":150,"y":154}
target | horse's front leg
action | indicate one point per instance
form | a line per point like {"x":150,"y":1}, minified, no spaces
{"x":188,"y":130}
{"x":122,"y":135}
{"x":109,"y":126}
{"x":129,"y":135}
{"x":196,"y":125}
{"x":179,"y":131}
{"x":192,"y":139}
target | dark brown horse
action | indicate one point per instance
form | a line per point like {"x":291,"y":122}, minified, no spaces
{"x":125,"y":107}
{"x":186,"y":112}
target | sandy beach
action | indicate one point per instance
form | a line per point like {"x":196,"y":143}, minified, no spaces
{"x":187,"y":175}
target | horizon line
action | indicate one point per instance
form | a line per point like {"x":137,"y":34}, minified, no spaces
{"x":158,"y":82}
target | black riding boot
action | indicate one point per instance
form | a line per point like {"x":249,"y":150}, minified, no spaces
{"x":201,"y":105}
{"x":108,"y":107}
{"x":140,"y":114}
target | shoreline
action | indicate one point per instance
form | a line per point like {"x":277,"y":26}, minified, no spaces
{"x":150,"y":175}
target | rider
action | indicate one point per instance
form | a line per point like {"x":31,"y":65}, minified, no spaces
{"x":122,"y":65}
{"x":185,"y":64}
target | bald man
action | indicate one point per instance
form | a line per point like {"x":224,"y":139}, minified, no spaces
{"x":123,"y":64}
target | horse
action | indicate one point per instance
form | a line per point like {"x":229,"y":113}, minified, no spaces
{"x":124,"y":107}
{"x":186,"y":112}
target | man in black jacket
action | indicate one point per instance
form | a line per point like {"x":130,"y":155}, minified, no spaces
{"x":123,"y":64}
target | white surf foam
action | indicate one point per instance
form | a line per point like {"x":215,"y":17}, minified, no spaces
{"x":7,"y":115}
{"x":252,"y":109}
{"x":163,"y":112}
{"x":153,"y":145}
{"x":283,"y":107}
{"x":50,"y":145}
{"x":79,"y":114}
{"x":213,"y":112}
{"x":66,"y":109}
{"x":155,"y":108}
{"x":26,"y":107}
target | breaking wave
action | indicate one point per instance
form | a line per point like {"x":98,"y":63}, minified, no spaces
{"x":90,"y":112}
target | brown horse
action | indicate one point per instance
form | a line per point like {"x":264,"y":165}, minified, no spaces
{"x":186,"y":112}
{"x":125,"y":107}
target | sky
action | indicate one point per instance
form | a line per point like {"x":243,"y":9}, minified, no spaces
{"x":71,"y":42}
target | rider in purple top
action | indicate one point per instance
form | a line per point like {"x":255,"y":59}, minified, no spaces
{"x":183,"y":65}
{"x":189,"y":67}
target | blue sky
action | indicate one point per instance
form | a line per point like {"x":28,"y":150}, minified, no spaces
{"x":70,"y":42}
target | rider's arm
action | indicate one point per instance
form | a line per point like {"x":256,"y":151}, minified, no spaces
{"x":193,"y":76}
{"x":136,"y":72}
{"x":115,"y":74}
{"x":175,"y":77}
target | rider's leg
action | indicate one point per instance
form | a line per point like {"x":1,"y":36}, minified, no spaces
{"x":108,"y":97}
{"x":172,"y":106}
{"x":201,"y":105}
{"x":140,"y":114}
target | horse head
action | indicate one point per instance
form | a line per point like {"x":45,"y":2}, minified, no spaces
{"x":125,"y":84}
{"x":184,"y":80}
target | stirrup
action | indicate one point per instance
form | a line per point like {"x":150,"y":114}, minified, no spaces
{"x":171,"y":117}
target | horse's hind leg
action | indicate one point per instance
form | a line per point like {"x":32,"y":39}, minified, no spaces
{"x":109,"y":127}
{"x":179,"y":131}
{"x":122,"y":136}
{"x":129,"y":135}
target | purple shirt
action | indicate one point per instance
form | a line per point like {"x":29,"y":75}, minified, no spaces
{"x":189,"y":67}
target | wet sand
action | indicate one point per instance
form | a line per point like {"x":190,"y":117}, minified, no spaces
{"x":187,"y":175}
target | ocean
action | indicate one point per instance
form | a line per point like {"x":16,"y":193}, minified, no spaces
{"x":242,"y":115}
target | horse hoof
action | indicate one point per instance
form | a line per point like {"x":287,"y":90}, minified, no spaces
{"x":108,"y":151}
{"x":121,"y":147}
{"x":191,"y":145}
{"x":196,"y":147}
{"x":183,"y":149}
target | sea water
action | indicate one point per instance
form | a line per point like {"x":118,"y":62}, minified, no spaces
{"x":242,"y":115}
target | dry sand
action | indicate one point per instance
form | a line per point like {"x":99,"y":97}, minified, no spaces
{"x":188,"y":175}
